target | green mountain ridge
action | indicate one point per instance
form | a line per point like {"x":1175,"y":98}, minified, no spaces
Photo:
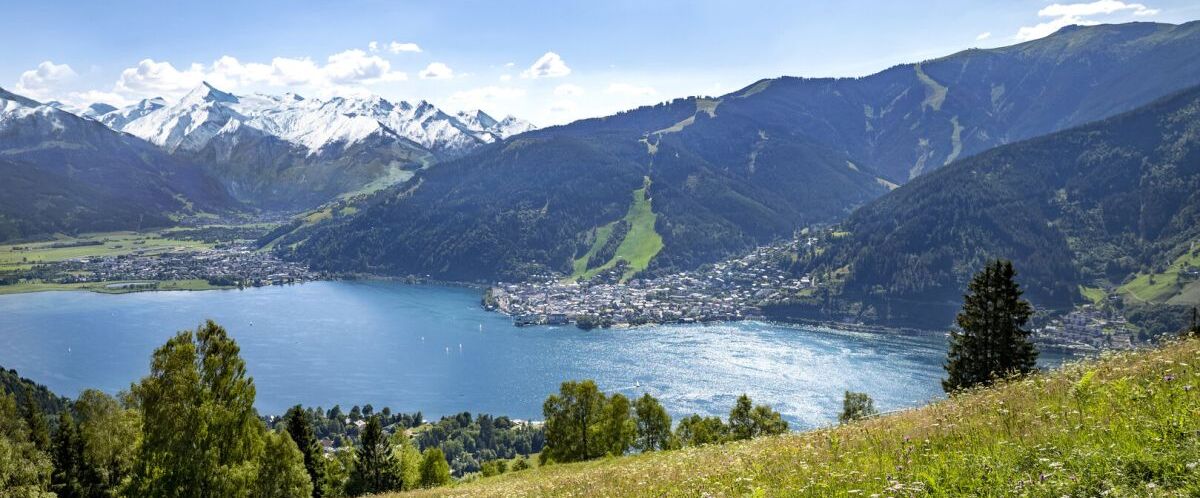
{"x":749,"y":167}
{"x":1091,"y":204}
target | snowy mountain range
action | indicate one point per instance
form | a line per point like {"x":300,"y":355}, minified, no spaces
{"x":319,"y":126}
{"x":290,"y":152}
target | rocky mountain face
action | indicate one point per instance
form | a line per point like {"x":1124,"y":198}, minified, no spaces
{"x":290,"y":152}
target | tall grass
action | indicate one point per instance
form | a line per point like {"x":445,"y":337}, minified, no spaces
{"x":1127,"y":424}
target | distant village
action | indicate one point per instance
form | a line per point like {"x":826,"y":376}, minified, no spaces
{"x":233,"y":265}
{"x":734,"y":289}
{"x":1089,"y":327}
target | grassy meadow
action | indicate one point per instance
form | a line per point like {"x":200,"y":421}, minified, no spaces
{"x":1166,"y":287}
{"x":640,"y":245}
{"x":1127,"y":424}
{"x":22,"y":256}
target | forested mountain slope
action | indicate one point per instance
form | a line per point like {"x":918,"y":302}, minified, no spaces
{"x":727,"y":173}
{"x":1094,"y":203}
{"x":63,"y":173}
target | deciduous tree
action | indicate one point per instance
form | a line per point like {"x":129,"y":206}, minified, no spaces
{"x":653,"y":424}
{"x":435,"y":471}
{"x":856,"y":406}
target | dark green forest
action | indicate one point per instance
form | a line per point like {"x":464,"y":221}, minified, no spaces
{"x":1087,"y":205}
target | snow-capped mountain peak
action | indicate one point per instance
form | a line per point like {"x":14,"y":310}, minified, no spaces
{"x":313,"y":124}
{"x":208,"y":93}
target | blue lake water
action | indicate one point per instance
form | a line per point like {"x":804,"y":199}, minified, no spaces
{"x":434,"y":349}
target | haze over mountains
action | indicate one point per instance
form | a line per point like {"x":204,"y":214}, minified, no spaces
{"x":727,"y":173}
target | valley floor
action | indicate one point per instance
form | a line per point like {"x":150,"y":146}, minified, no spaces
{"x":1127,"y":424}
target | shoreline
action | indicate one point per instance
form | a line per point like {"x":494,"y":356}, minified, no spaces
{"x":202,"y":286}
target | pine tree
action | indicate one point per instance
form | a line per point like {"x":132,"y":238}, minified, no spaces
{"x":374,"y":466}
{"x":69,"y":467}
{"x":301,"y":432}
{"x":991,"y":340}
{"x":35,"y":419}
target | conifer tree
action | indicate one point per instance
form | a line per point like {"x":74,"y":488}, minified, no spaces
{"x":69,"y":468}
{"x":991,"y":340}
{"x":301,"y":432}
{"x":374,"y":466}
{"x":35,"y":419}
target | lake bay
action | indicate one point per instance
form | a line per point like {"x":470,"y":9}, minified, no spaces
{"x":433,"y":349}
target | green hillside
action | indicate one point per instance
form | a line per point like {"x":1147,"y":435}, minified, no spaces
{"x":638,"y":246}
{"x":1172,"y":285}
{"x":749,"y":167}
{"x":1125,"y":425}
{"x":1085,"y":207}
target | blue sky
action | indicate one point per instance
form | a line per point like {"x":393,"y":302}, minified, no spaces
{"x":549,"y":62}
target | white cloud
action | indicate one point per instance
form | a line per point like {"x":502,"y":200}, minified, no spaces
{"x":477,"y":98}
{"x":505,"y":77}
{"x":42,"y":80}
{"x":1077,"y":13}
{"x":550,"y":65}
{"x":983,"y":36}
{"x":397,"y":47}
{"x":629,"y":90}
{"x":1094,"y":8}
{"x":436,"y":71}
{"x":373,"y":46}
{"x":342,"y":73}
{"x":355,"y":66}
{"x":568,"y":90}
{"x":151,"y":78}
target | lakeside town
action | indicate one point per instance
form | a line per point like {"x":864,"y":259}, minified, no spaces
{"x":1089,"y":327}
{"x":737,"y":289}
{"x":232,"y":265}
{"x":733,"y":289}
{"x":730,"y":290}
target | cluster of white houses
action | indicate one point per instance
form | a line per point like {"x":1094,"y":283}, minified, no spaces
{"x":730,"y":290}
{"x":236,"y":265}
